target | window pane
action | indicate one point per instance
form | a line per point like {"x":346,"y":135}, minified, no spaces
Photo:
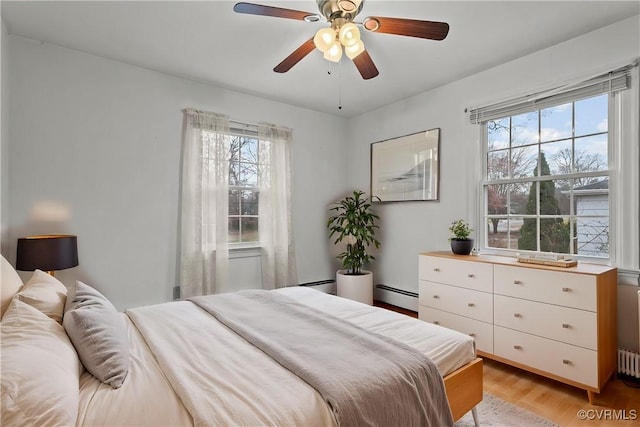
{"x":592,"y":115}
{"x":234,"y":202}
{"x":524,"y":129}
{"x":497,"y":196}
{"x":234,"y":229}
{"x":549,"y":198}
{"x":497,"y":236}
{"x":556,"y":122}
{"x":249,"y":229}
{"x":554,"y":235}
{"x":523,"y":161}
{"x":234,"y":148}
{"x":234,"y":174}
{"x":592,"y":236}
{"x":559,"y":156}
{"x":520,"y":197}
{"x":249,"y":203}
{"x":498,"y":164}
{"x":498,"y":133}
{"x":528,"y":235}
{"x":248,"y":175}
{"x":249,"y":150}
{"x":591,"y":153}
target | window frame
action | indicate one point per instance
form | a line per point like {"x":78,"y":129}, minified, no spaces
{"x":251,"y":132}
{"x":623,"y":163}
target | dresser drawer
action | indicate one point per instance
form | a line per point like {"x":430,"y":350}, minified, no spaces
{"x":467,"y":274}
{"x":564,"y":360}
{"x":569,"y":325}
{"x":553,"y":287}
{"x":465,"y":302}
{"x":481,"y":332}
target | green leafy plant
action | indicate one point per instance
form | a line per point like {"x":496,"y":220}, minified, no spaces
{"x":353,"y":221}
{"x":460,"y":230}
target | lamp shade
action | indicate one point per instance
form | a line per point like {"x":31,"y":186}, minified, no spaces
{"x":47,"y":252}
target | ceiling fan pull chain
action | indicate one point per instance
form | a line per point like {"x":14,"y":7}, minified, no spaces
{"x":340,"y":85}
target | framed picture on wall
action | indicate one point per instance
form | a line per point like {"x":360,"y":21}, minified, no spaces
{"x":406,"y":168}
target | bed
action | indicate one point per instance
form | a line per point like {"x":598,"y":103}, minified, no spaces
{"x":178,"y":364}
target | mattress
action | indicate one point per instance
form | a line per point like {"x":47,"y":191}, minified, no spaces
{"x":241,"y":385}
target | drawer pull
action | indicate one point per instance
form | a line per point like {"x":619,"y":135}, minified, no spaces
{"x":435,"y":322}
{"x":517,"y":315}
{"x":517,"y":282}
{"x":566,"y":325}
{"x":566,"y":361}
{"x":471,"y":304}
{"x":472,"y":335}
{"x":471,"y":276}
{"x":436,"y":269}
{"x":517,"y":347}
{"x":436,"y":297}
{"x":566,"y":289}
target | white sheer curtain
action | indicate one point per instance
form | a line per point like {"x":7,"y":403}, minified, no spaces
{"x":274,"y":223}
{"x":204,"y":251}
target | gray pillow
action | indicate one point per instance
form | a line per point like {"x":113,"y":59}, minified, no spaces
{"x":98,"y":334}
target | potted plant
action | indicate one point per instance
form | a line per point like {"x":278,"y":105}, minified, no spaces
{"x":353,"y":223}
{"x":461,"y":243}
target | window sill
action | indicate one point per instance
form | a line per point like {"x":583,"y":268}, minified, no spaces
{"x":244,"y":250}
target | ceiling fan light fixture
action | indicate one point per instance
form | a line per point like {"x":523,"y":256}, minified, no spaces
{"x":324,"y":39}
{"x":355,"y":50}
{"x":334,"y":53}
{"x":349,"y":34}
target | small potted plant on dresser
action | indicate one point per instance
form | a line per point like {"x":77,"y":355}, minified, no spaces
{"x":353,"y":224}
{"x":461,"y":243}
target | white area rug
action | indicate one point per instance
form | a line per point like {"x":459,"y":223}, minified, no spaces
{"x":493,"y":411}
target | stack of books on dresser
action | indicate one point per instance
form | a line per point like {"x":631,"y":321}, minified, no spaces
{"x":556,"y":260}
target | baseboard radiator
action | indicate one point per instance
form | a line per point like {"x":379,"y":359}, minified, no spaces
{"x":395,"y":296}
{"x":629,"y":361}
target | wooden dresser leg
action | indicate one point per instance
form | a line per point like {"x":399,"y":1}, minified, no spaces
{"x":590,"y":395}
{"x":474,"y":412}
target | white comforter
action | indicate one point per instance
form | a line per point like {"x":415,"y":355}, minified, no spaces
{"x":223,"y":376}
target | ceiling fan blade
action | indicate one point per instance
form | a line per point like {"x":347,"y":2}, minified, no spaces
{"x":407,"y":27}
{"x":295,"y":57}
{"x":365,"y":65}
{"x":278,"y":12}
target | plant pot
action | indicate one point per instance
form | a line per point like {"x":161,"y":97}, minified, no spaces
{"x":357,"y":287}
{"x":461,"y":246}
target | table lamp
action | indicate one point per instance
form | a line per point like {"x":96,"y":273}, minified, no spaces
{"x":47,"y":252}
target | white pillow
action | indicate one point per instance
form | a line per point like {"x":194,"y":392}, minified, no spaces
{"x":11,"y":283}
{"x":46,"y":293}
{"x":98,"y":333}
{"x":40,"y":370}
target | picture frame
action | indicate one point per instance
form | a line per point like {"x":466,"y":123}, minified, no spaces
{"x":406,"y":168}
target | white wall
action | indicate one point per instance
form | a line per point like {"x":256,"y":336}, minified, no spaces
{"x":95,"y":151}
{"x":413,"y":227}
{"x":4,"y":136}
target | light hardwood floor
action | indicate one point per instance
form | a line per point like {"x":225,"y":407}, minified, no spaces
{"x":618,"y":405}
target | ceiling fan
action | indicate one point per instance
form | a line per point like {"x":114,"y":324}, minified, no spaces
{"x":344,"y":32}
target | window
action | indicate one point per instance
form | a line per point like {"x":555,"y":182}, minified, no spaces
{"x":235,"y":193}
{"x":244,"y":174}
{"x":547,"y":170}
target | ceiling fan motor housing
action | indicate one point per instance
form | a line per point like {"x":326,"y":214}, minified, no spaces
{"x":345,"y":9}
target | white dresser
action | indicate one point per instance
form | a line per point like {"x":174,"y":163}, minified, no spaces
{"x":556,"y":322}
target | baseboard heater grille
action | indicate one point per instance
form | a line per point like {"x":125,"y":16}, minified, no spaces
{"x":628,"y":363}
{"x":318,"y":283}
{"x":398,"y":291}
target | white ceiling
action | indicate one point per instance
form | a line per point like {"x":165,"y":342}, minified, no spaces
{"x":208,"y":42}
